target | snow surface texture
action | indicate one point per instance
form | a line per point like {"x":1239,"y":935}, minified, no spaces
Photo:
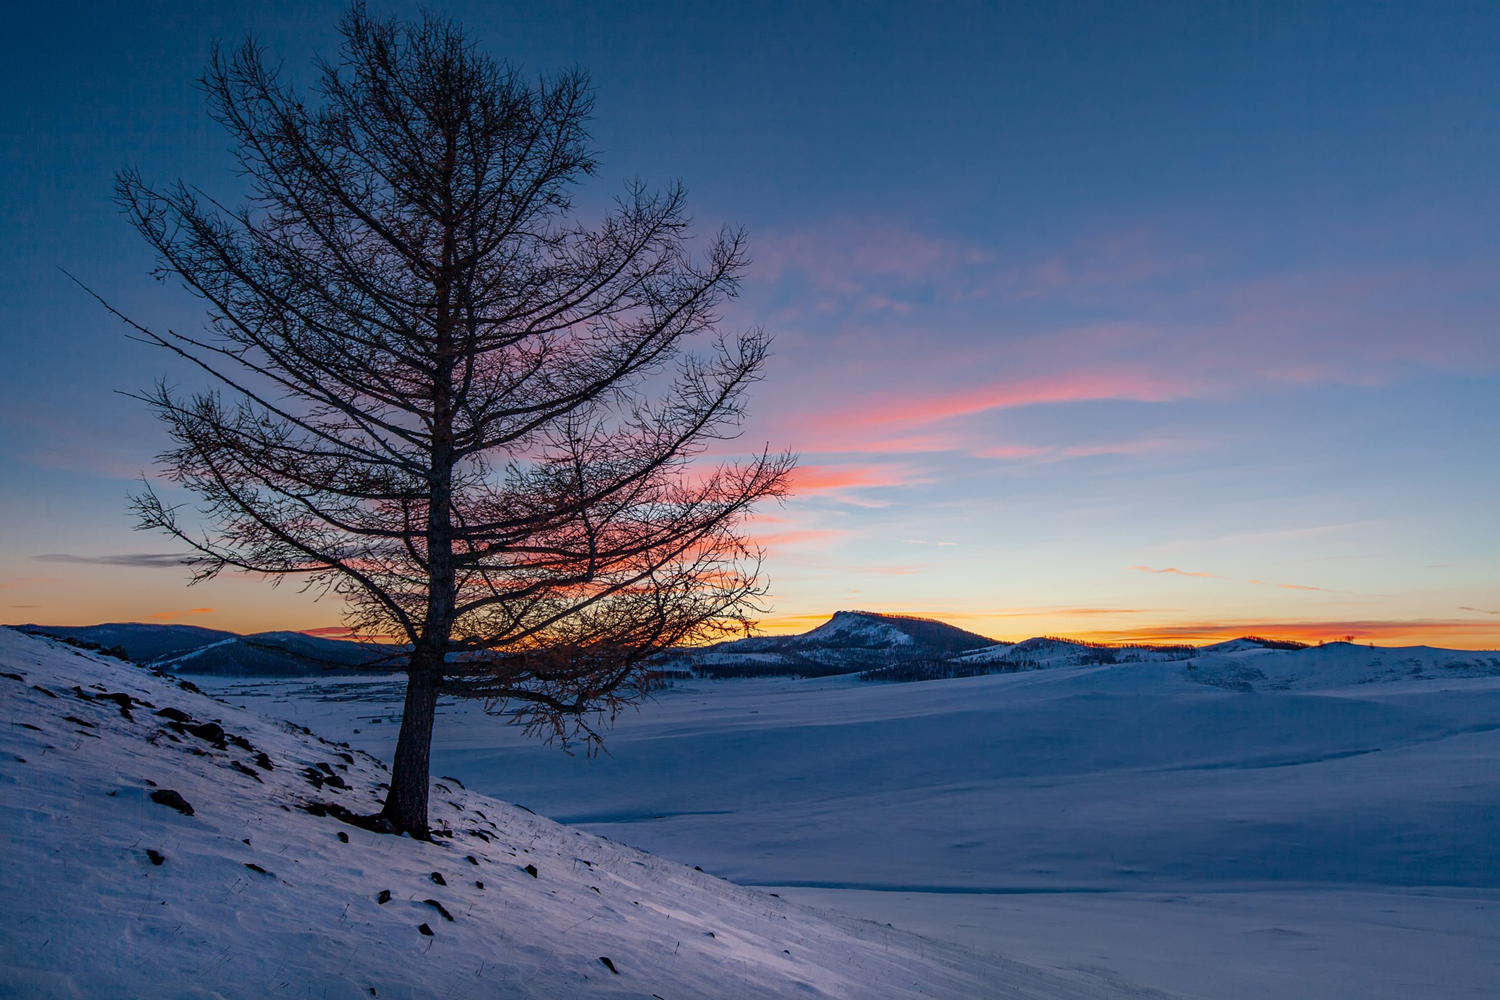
{"x":172,"y":855}
{"x":1249,"y":823}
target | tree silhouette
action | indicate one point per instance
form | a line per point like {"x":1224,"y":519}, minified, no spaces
{"x":446,"y":400}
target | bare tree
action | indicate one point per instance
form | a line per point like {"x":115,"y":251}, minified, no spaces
{"x":443,"y":398}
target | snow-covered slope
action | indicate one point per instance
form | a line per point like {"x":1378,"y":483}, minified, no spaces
{"x":1045,"y":652}
{"x":1335,"y":665}
{"x":162,"y":843}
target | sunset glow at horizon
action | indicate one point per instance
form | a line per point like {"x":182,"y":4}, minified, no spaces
{"x":1162,"y":326}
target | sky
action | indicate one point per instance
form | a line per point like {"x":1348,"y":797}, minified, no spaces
{"x":1147,"y":321}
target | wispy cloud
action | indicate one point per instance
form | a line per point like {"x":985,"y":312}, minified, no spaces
{"x":1177,"y":572}
{"x":1478,"y":611}
{"x":162,"y":616}
{"x":1453,"y":633}
{"x":776,"y":539}
{"x":1296,"y":586}
{"x":149,"y":560}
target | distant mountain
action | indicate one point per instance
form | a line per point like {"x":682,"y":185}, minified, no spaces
{"x":188,"y":649}
{"x":848,"y":642}
{"x":142,"y":643}
{"x":882,"y":647}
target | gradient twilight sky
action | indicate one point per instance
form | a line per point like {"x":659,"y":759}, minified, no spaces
{"x":1130,"y":320}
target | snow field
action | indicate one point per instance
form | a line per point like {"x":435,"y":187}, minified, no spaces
{"x":1323,"y":823}
{"x":108,"y":892}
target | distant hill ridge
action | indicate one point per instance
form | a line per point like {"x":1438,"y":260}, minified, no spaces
{"x":191,"y":649}
{"x":875,"y":645}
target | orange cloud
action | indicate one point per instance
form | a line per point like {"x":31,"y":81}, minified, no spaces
{"x":1452,"y":634}
{"x":1176,"y":571}
{"x":1296,"y":586}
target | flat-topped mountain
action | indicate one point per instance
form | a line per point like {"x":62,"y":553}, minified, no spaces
{"x":847,"y":642}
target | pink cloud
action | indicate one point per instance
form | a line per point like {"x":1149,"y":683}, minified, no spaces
{"x":1071,"y":387}
{"x":778,"y":539}
{"x":827,"y":478}
{"x":877,"y":320}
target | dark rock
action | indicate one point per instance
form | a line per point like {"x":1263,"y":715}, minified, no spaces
{"x":208,"y":732}
{"x":440,"y":908}
{"x":157,"y":858}
{"x":383,"y":896}
{"x":530,"y":870}
{"x":479,"y":885}
{"x":343,"y":837}
{"x":38,"y":687}
{"x":257,"y":868}
{"x":438,"y":878}
{"x":77,"y":721}
{"x":262,"y":761}
{"x":27,"y":725}
{"x":244,"y":770}
{"x":175,"y":714}
{"x":167,"y":797}
{"x":425,"y":930}
{"x":609,"y":965}
{"x":472,"y":860}
{"x":14,"y":677}
{"x":123,"y":700}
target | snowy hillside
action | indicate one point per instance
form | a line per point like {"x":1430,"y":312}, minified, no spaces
{"x":1250,"y":664}
{"x":162,"y":843}
{"x":1335,"y":665}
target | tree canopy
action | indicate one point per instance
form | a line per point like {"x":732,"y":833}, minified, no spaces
{"x":440,"y":395}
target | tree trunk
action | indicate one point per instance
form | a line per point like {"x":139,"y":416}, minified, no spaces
{"x":406,"y":804}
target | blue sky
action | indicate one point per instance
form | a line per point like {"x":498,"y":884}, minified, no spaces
{"x":1101,"y":319}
